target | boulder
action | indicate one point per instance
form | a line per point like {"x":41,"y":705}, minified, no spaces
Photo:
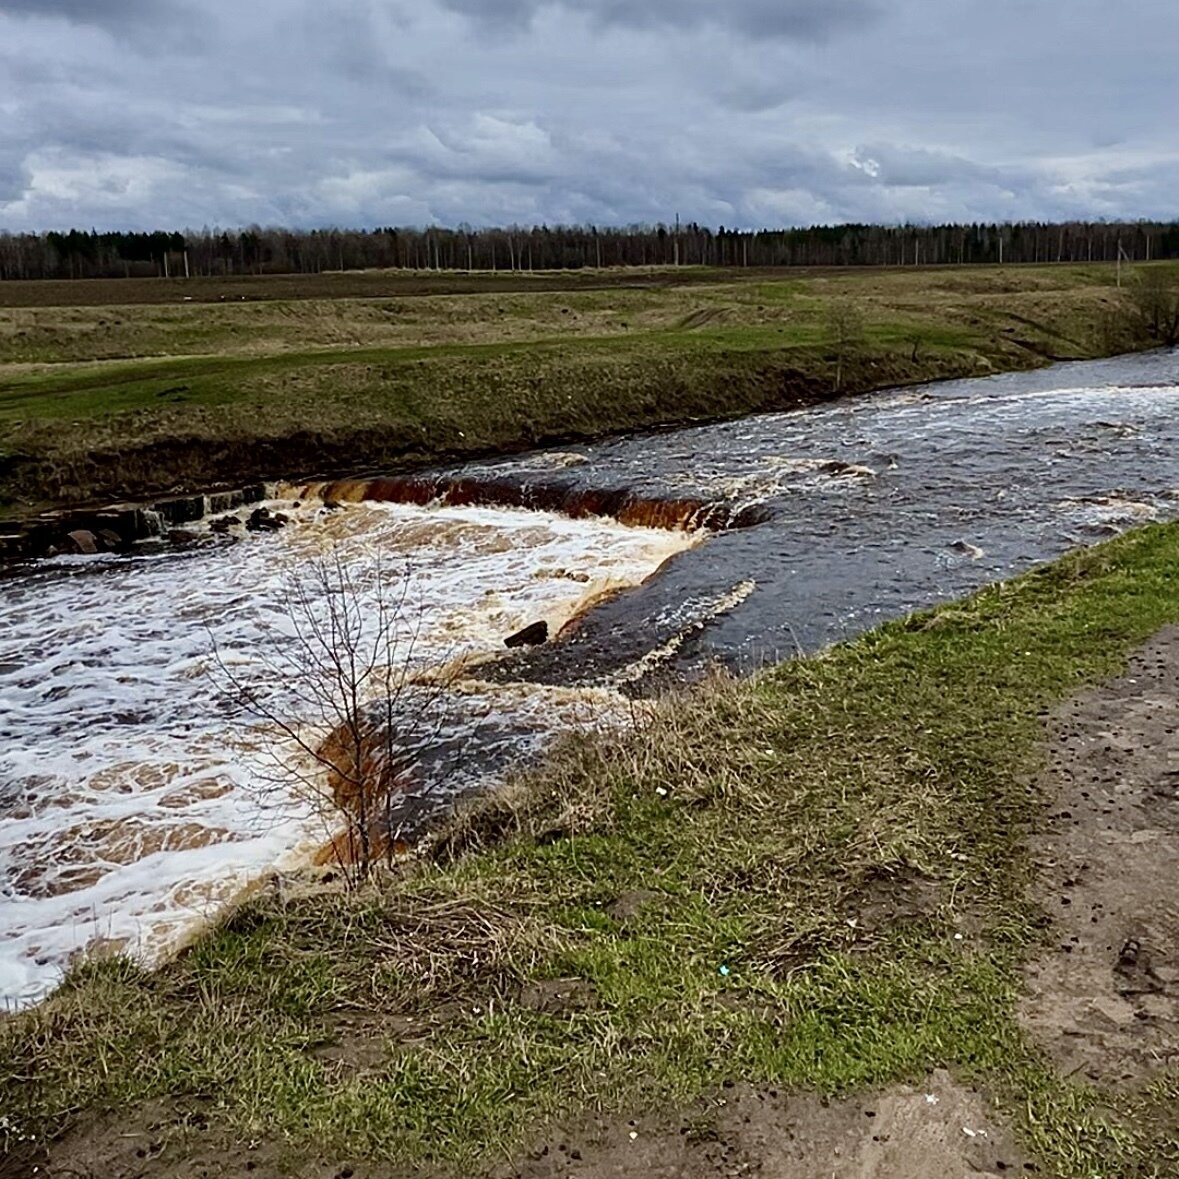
{"x":83,"y":541}
{"x":264,"y":520}
{"x":531,"y":636}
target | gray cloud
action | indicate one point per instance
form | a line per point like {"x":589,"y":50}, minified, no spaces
{"x":14,"y":176}
{"x":96,"y":12}
{"x":753,"y":112}
{"x":800,"y":19}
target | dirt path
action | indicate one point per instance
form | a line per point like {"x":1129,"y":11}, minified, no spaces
{"x":1105,"y":1001}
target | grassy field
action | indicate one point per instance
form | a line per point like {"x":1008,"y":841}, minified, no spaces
{"x":333,"y":374}
{"x":355,"y":284}
{"x":721,"y":895}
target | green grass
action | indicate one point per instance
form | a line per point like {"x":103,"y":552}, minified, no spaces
{"x":766,"y":824}
{"x":126,"y":402}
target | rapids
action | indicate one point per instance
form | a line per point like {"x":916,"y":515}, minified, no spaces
{"x":135,"y":801}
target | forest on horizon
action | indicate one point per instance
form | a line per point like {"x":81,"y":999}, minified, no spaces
{"x":259,"y":251}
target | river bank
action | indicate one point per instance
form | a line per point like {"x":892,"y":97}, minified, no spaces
{"x":129,"y":402}
{"x":648,"y":919}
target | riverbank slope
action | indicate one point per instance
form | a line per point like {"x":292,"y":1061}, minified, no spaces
{"x":824,"y":878}
{"x":103,"y":400}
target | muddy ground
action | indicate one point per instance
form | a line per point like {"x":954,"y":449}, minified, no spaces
{"x":937,"y":1131}
{"x":1104,"y":1001}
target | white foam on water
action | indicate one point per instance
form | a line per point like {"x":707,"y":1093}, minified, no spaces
{"x":134,"y":805}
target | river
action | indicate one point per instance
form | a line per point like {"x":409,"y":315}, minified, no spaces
{"x":136,"y":800}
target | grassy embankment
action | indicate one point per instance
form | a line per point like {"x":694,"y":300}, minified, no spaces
{"x":824,"y":875}
{"x":340,"y":374}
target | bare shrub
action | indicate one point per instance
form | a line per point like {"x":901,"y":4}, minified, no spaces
{"x":847,"y":332}
{"x":334,"y":682}
{"x":1154,"y":300}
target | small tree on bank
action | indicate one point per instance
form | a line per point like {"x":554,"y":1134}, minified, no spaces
{"x":1154,"y":300}
{"x":332,"y":678}
{"x":846,"y":333}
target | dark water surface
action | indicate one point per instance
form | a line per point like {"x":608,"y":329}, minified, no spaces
{"x":881,"y":505}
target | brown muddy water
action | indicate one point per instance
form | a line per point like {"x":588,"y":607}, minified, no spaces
{"x":136,"y":800}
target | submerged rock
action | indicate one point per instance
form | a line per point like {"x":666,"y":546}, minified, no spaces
{"x":842,"y":470}
{"x":263,"y":520}
{"x":965,"y":549}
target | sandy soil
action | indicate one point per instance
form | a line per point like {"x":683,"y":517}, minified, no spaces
{"x":1105,"y":1000}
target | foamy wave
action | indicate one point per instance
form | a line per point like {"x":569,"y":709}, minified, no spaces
{"x":133,"y":805}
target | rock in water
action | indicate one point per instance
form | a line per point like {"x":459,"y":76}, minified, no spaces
{"x":262,"y":520}
{"x":966,"y":549}
{"x":83,"y":541}
{"x":531,"y":636}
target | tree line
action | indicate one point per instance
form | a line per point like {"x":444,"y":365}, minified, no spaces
{"x":258,"y":250}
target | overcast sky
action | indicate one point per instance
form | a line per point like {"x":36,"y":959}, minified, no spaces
{"x":186,"y":113}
